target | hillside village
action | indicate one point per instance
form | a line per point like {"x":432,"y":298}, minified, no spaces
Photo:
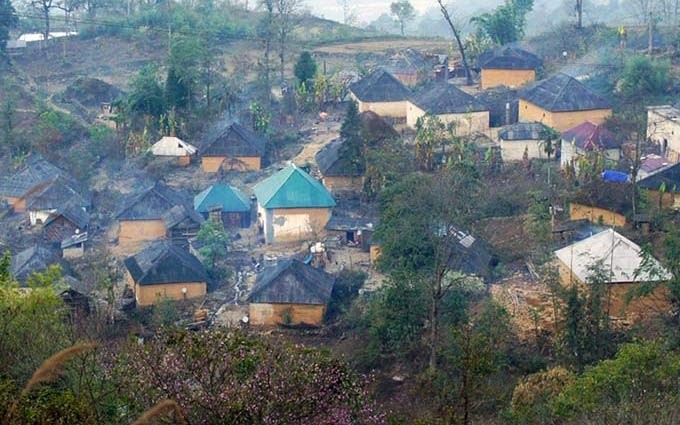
{"x":240,"y":221}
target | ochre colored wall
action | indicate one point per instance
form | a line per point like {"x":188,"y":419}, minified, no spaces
{"x":295,"y":224}
{"x":473,"y":122}
{"x":593,"y":214}
{"x":560,"y":121}
{"x":212,"y":164}
{"x":183,"y":161}
{"x":134,"y":231}
{"x":343,"y":183}
{"x":150,"y":294}
{"x":615,"y":298}
{"x":384,"y":109}
{"x":19,"y":205}
{"x":11,"y":201}
{"x":514,"y":150}
{"x":374,"y":253}
{"x":506,"y":77}
{"x":273,"y":314}
{"x":407,"y":79}
{"x":669,"y":200}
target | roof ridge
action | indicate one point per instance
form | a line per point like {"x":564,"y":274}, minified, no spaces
{"x":562,"y":90}
{"x":282,"y":183}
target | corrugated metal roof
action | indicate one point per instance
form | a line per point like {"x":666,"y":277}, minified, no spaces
{"x":522,"y":131}
{"x":613,"y":251}
{"x":292,"y":188}
{"x":669,"y":177}
{"x":223,"y":197}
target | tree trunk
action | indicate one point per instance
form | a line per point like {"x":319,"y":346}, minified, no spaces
{"x":579,"y":13}
{"x":401,"y":25}
{"x":456,"y":35}
{"x":46,"y":35}
{"x":434,"y":331}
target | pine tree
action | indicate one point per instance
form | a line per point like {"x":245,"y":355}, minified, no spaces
{"x":305,"y":68}
{"x":353,"y":145}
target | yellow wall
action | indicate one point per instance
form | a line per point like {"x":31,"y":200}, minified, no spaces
{"x":273,"y":314}
{"x":374,"y":253}
{"x":150,"y":294}
{"x":595,"y":215}
{"x":132,"y":232}
{"x":669,"y":200}
{"x":212,"y":164}
{"x":560,"y":121}
{"x":384,"y":109}
{"x":183,"y":161}
{"x":343,"y":183}
{"x":295,"y":224}
{"x":615,"y":298}
{"x":506,"y":77}
{"x":465,"y":124}
{"x":12,"y":202}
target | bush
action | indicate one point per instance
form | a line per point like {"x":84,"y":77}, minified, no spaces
{"x":345,"y":290}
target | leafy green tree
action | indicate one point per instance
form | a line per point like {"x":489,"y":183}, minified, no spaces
{"x":402,"y":10}
{"x":260,"y":118}
{"x":644,"y":78}
{"x":549,"y":139}
{"x":177,"y":92}
{"x":215,"y":242}
{"x":32,"y":322}
{"x":147,"y":96}
{"x":8,"y":20}
{"x":420,"y":220}
{"x":472,"y":352}
{"x":305,"y":68}
{"x":430,"y":134}
{"x":184,"y":73}
{"x":639,"y":385}
{"x":533,"y":396}
{"x":537,"y":224}
{"x":506,"y":23}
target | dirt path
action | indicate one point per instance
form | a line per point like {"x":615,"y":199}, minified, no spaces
{"x":322,"y":134}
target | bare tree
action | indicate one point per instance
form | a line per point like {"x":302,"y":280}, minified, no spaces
{"x":579,"y":14}
{"x":266,"y":31}
{"x":44,"y":7}
{"x":403,"y":10}
{"x":348,"y":15}
{"x":284,"y":19}
{"x":456,"y":35}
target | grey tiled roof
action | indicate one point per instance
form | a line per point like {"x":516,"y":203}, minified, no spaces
{"x":292,"y":282}
{"x":152,"y":203}
{"x":562,"y":93}
{"x":234,"y":140}
{"x":380,"y":86}
{"x":162,"y":262}
{"x":444,"y":98}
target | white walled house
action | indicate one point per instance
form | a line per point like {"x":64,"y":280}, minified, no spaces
{"x":663,"y":128}
{"x":522,"y":137}
{"x":588,"y":137}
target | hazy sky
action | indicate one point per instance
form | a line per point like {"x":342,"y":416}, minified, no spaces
{"x":366,"y":10}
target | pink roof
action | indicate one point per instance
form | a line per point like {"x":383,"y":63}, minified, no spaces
{"x":587,"y":136}
{"x":653,"y":162}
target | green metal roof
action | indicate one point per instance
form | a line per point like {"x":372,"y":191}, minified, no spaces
{"x":227,"y":198}
{"x":292,"y":188}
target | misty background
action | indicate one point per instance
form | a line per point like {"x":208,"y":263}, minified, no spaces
{"x":546,"y":14}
